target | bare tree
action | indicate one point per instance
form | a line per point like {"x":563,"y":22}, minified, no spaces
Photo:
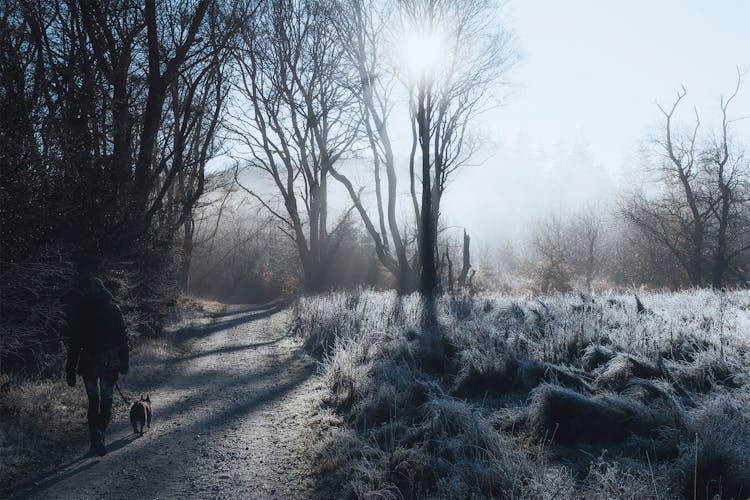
{"x":553,"y":262}
{"x":679,"y":218}
{"x":699,"y":214}
{"x":294,"y":123}
{"x":587,"y":241}
{"x":448,"y":281}
{"x":727,"y":166}
{"x":361,"y":27}
{"x":123,"y":104}
{"x":443,"y":103}
{"x":464,"y":278}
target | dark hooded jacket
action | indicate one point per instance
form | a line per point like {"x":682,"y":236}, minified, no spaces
{"x":98,"y":344}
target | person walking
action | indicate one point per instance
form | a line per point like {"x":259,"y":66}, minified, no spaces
{"x":98,"y":351}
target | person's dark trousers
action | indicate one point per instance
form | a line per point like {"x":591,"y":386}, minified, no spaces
{"x":100,"y":392}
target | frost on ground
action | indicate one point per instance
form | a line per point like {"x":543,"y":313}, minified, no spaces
{"x":552,"y":397}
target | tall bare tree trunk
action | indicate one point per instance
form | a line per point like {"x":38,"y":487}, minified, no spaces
{"x":467,"y":261}
{"x":187,"y":253}
{"x":450,"y":268}
{"x":427,"y":231}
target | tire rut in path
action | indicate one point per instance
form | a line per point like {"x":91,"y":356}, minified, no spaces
{"x":225,"y":423}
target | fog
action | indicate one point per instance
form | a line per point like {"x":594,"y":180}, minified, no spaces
{"x":581,"y":104}
{"x":572,"y":123}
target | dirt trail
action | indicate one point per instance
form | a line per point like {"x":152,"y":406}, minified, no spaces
{"x":225,"y":423}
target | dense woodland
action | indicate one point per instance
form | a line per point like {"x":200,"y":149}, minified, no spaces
{"x":113,"y":112}
{"x":251,"y":150}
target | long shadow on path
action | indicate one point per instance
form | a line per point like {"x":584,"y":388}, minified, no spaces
{"x":224,"y":399}
{"x":232,"y":309}
{"x":193,"y":332}
{"x":65,"y":471}
{"x":229,"y":349}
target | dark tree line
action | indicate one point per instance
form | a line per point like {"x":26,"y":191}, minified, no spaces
{"x":109,"y":113}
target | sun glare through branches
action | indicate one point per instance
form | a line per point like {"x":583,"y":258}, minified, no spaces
{"x":421,"y":50}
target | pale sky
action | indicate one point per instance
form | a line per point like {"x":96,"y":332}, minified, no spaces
{"x":581,"y":103}
{"x":584,"y":93}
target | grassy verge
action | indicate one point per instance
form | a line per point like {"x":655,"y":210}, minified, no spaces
{"x":516,"y":397}
{"x":44,"y":421}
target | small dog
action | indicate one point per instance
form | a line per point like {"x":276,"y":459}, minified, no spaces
{"x":140,"y":413}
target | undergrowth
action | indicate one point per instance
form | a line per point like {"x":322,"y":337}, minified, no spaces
{"x":573,"y":396}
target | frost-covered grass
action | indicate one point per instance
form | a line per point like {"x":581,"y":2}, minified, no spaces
{"x":571,"y":396}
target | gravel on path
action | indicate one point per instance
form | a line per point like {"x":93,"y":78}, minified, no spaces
{"x":227,"y":422}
